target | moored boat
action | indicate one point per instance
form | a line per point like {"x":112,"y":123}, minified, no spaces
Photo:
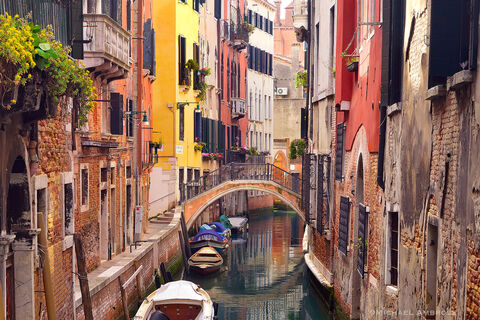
{"x":220,"y":228}
{"x":177,"y":300}
{"x":205,"y":261}
{"x":239,"y":224}
{"x":209,"y":238}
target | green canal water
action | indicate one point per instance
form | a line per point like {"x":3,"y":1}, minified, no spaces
{"x":264,"y":275}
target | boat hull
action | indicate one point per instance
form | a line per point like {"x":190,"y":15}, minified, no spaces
{"x":205,"y":271}
{"x":217,"y":245}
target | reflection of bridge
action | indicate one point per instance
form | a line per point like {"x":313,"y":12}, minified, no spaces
{"x":198,"y":194}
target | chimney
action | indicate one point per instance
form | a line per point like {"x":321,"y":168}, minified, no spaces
{"x":278,"y":6}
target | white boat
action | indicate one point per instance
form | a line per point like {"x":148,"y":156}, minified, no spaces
{"x":239,"y":224}
{"x":177,"y":300}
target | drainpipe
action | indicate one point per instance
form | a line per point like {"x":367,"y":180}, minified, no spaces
{"x":47,"y":277}
{"x":307,"y":65}
{"x":381,"y":147}
{"x":138,"y":139}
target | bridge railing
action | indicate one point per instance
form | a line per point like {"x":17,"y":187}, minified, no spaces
{"x":241,"y":171}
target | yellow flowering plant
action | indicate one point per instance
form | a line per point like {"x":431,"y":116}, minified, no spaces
{"x":32,"y":60}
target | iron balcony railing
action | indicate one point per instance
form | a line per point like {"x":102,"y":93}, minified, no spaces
{"x":241,"y":172}
{"x":241,"y":36}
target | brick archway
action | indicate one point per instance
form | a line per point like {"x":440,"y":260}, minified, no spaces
{"x":194,"y":207}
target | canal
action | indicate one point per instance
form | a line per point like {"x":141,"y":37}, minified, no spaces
{"x":264,"y":275}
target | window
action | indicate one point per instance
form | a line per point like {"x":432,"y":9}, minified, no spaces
{"x":393,"y":37}
{"x":116,"y":113}
{"x":149,"y":47}
{"x":103,"y":174}
{"x":339,"y":152}
{"x":128,"y":172}
{"x":181,"y":120}
{"x":343,"y":224}
{"x":68,"y":208}
{"x":113,"y":8}
{"x":182,"y":71}
{"x":391,"y":276}
{"x":218,"y":9}
{"x":84,"y":186}
{"x":362,"y":239}
{"x":453,"y":39}
{"x":261,"y":139}
{"x":196,"y":5}
{"x":196,"y":57}
{"x":129,"y":119}
{"x":189,"y":174}
{"x":112,"y":175}
{"x":129,"y":15}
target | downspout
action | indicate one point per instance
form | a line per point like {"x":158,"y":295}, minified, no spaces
{"x":47,"y":276}
{"x":381,"y":147}
{"x":307,"y":64}
{"x":139,"y":138}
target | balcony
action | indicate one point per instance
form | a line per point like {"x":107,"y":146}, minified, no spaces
{"x":224,"y":29}
{"x":109,"y":49}
{"x":241,"y":36}
{"x":239,"y":108}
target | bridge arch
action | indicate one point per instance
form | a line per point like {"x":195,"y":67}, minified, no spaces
{"x":194,"y":207}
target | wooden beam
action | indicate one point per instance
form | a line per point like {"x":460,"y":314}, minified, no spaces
{"x":126,"y":283}
{"x":124,"y":299}
{"x":83,"y":278}
{"x":139,"y":282}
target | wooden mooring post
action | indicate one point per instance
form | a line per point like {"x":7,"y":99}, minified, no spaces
{"x":82,"y":277}
{"x":184,"y":254}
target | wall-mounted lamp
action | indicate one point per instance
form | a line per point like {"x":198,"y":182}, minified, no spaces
{"x":181,"y":105}
{"x":134,"y":113}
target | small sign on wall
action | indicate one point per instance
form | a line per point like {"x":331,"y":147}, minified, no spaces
{"x":138,"y":220}
{"x":179,"y":149}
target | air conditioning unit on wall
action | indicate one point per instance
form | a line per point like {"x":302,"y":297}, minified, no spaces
{"x":281,"y":91}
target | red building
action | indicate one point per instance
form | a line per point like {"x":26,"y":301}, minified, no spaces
{"x":356,"y":145}
{"x":232,"y":44}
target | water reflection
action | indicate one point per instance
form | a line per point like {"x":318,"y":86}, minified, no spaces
{"x":264,"y":276}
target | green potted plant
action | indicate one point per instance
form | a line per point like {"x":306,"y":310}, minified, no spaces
{"x":352,"y":63}
{"x":191,"y":65}
{"x":37,"y":70}
{"x":297,"y":148}
{"x":301,"y":79}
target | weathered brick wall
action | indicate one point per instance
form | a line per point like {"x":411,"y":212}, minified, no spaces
{"x":54,"y":153}
{"x":260,"y":202}
{"x":107,"y":302}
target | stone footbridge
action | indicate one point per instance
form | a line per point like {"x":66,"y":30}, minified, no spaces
{"x":198,"y":194}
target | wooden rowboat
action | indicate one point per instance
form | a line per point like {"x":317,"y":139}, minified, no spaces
{"x":177,"y":300}
{"x":205,"y":261}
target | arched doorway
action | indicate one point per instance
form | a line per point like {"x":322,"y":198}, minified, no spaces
{"x":357,"y":276}
{"x":18,"y":221}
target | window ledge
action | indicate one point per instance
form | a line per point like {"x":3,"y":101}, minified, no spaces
{"x":67,"y":242}
{"x":460,"y":79}
{"x":436,"y":92}
{"x":394,"y":108}
{"x":183,"y":88}
{"x":391,"y":291}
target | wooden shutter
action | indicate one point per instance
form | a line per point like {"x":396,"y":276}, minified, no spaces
{"x":76,"y":27}
{"x":197,"y":125}
{"x":343,"y":224}
{"x":147,"y":45}
{"x":181,"y":126}
{"x":204,"y":135}
{"x":362,"y":238}
{"x":320,"y":194}
{"x":303,"y":124}
{"x":116,"y":113}
{"x":181,"y":59}
{"x":129,"y":119}
{"x":339,"y":152}
{"x":152,"y":71}
{"x":249,"y":16}
{"x":129,"y":15}
{"x":218,"y":9}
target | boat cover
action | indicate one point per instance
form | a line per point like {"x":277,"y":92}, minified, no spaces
{"x":178,"y":292}
{"x":226,"y":223}
{"x":238,"y":222}
{"x":205,"y":227}
{"x":218,"y":227}
{"x":208,"y":235}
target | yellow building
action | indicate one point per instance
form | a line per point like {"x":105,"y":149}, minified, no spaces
{"x":174,"y":100}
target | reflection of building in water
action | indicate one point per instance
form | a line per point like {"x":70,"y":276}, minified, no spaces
{"x":281,"y":241}
{"x":277,"y":308}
